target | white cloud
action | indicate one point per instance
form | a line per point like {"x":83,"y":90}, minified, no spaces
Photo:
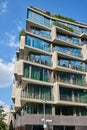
{"x":3,"y":6}
{"x":20,"y":26}
{"x":12,"y":40}
{"x":6,"y":73}
{"x":5,"y":106}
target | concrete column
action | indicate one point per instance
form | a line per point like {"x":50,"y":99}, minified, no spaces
{"x":55,"y":59}
{"x":52,"y":77}
{"x":71,"y":80}
{"x":84,"y":52}
{"x":53,"y":110}
{"x":22,"y":42}
{"x":74,"y":111}
{"x":56,"y":92}
{"x":53,"y":33}
{"x":60,"y":111}
{"x":73,"y":99}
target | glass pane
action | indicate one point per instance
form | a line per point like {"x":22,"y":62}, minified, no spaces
{"x":26,"y":70}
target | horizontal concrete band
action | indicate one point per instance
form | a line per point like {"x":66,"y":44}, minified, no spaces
{"x":56,"y":120}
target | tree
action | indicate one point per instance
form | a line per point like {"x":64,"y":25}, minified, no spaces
{"x":22,"y":33}
{"x":3,"y":125}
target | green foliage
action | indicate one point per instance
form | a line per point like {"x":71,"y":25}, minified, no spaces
{"x":3,"y":125}
{"x":63,"y":26}
{"x":62,"y":17}
{"x":45,"y":12}
{"x":22,"y":33}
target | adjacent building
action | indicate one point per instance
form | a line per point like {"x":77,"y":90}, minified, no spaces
{"x":50,"y":88}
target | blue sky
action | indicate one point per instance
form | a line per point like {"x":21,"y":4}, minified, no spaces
{"x":13,"y":19}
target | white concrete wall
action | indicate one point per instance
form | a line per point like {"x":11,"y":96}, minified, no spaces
{"x":56,"y":92}
{"x":18,"y":97}
{"x":55,"y":59}
{"x":53,"y":33}
{"x":84,"y":52}
{"x":22,"y":42}
{"x":19,"y":67}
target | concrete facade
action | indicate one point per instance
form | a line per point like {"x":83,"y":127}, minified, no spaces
{"x":51,"y":74}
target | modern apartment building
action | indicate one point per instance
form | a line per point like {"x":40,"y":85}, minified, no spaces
{"x":50,"y":88}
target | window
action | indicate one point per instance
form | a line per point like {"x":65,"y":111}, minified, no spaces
{"x":26,"y":70}
{"x":30,"y":15}
{"x":46,"y":22}
{"x":40,"y":32}
{"x":65,"y":94}
{"x":37,"y":43}
{"x":38,"y":18}
{"x":28,"y":40}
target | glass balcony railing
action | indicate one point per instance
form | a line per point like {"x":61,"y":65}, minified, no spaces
{"x":38,"y":18}
{"x":71,"y":40}
{"x":65,"y":98}
{"x":64,"y":64}
{"x":40,"y":61}
{"x":37,"y":43}
{"x":38,"y":96}
{"x":79,"y":82}
{"x":80,"y":99}
{"x":40,"y":32}
{"x":77,"y":67}
{"x":67,"y":51}
{"x":74,"y":99}
{"x":67,"y":80}
{"x":67,"y":65}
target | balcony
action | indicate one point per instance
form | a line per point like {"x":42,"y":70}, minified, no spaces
{"x":72,"y":67}
{"x":40,"y":61}
{"x":84,"y":52}
{"x":40,"y":32}
{"x":71,"y":40}
{"x":73,"y":99}
{"x":37,"y":43}
{"x":37,"y":73}
{"x":71,"y":81}
{"x":67,"y":52}
{"x":65,"y":43}
{"x":36,"y":97}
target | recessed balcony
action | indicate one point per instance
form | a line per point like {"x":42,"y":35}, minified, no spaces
{"x":66,"y":43}
{"x":75,"y":99}
{"x":65,"y":66}
{"x":39,"y":60}
{"x":69,"y":78}
{"x":36,"y":97}
{"x":69,"y":53}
